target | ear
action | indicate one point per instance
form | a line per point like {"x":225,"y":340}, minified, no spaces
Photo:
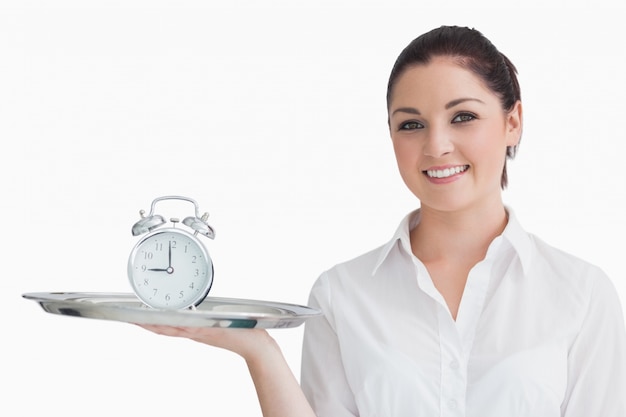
{"x":514,"y":122}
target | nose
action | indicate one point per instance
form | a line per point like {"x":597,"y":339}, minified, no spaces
{"x":438,"y":143}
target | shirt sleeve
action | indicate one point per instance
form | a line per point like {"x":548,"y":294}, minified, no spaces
{"x":323,"y":377}
{"x":597,"y":358}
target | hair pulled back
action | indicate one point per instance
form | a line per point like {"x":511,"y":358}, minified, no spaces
{"x":472,"y":51}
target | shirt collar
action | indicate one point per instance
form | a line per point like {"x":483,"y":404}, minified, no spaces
{"x":401,"y":237}
{"x":519,"y":239}
{"x":513,"y":233}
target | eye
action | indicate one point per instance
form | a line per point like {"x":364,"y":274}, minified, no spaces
{"x":463,"y":117}
{"x":412,"y":125}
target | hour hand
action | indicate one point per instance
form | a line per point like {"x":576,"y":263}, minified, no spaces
{"x":158,"y":269}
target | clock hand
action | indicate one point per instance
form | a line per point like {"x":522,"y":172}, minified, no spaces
{"x":170,"y":256}
{"x":169,"y":269}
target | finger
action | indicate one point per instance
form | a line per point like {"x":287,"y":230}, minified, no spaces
{"x":165,"y":330}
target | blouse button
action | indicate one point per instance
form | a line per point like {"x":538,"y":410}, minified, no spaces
{"x":452,"y":404}
{"x":454,"y":365}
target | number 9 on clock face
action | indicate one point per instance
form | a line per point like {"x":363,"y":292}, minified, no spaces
{"x":170,"y":269}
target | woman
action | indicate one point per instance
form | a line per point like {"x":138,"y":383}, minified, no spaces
{"x":462,"y":312}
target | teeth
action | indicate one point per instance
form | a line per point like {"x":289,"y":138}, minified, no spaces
{"x":444,"y":173}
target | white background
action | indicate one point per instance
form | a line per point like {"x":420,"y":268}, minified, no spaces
{"x":273,"y":118}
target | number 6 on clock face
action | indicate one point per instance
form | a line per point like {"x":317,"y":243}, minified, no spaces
{"x":170,"y":269}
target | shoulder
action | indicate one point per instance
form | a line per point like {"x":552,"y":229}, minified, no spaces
{"x":542,"y":260}
{"x":572,"y":282}
{"x":557,"y":263}
{"x":352,"y":271}
{"x":359,"y":279}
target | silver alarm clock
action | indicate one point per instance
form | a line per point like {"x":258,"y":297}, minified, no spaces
{"x":170,"y":268}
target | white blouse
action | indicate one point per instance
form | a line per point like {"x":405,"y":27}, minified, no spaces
{"x":539,"y":333}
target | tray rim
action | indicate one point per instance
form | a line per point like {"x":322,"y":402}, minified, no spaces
{"x":100,"y":305}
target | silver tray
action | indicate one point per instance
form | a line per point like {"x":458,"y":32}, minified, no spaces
{"x":212,"y":312}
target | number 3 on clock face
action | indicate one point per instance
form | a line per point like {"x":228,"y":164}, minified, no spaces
{"x":170,"y":269}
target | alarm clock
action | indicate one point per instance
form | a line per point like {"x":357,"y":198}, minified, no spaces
{"x":170,"y":268}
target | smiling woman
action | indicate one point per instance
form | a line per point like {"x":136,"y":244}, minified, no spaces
{"x":446,"y":121}
{"x":462,"y":312}
{"x":472,"y":51}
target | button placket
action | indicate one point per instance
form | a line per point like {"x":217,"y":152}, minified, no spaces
{"x":453,"y":377}
{"x":452,"y":404}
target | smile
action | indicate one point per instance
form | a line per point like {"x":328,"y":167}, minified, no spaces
{"x":445,"y":173}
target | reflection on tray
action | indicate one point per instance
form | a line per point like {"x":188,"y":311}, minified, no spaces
{"x":212,"y":312}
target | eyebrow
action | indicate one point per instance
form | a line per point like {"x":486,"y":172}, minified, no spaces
{"x":410,"y":110}
{"x":449,"y":105}
{"x":461,"y":100}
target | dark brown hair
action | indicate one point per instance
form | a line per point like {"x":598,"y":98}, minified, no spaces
{"x":473,"y":51}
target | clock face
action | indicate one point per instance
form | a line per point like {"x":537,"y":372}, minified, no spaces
{"x":170,"y":269}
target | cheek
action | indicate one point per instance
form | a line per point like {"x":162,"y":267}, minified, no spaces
{"x":405,"y":151}
{"x":487,"y":144}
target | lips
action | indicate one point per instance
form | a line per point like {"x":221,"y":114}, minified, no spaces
{"x":446,"y":172}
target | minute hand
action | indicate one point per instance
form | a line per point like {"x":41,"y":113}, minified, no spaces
{"x":169,"y":265}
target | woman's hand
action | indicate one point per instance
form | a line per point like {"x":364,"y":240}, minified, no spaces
{"x":277,"y":388}
{"x":247,"y":343}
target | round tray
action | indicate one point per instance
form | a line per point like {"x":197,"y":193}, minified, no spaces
{"x":212,"y":312}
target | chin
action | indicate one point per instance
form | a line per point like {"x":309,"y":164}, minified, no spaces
{"x":446,"y":204}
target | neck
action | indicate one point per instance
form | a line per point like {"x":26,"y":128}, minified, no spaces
{"x":457,"y":235}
